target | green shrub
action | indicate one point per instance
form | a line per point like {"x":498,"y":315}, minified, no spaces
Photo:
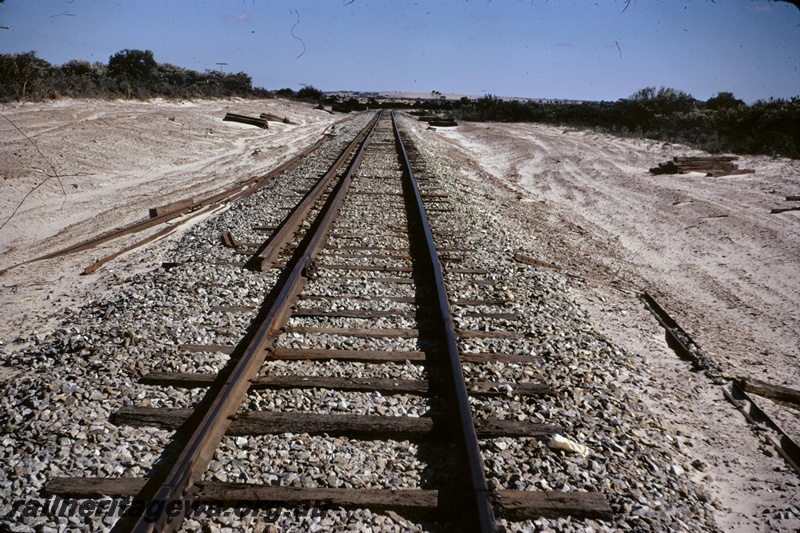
{"x":722,"y":124}
{"x":129,"y":73}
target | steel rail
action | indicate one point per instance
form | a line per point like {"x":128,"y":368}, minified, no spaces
{"x":682,"y":341}
{"x":269,"y":252}
{"x":467,"y":501}
{"x":181,"y":485}
{"x":481,"y":497}
{"x":786,"y":447}
{"x":199,"y":450}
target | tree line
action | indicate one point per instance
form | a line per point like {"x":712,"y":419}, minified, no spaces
{"x":128,"y":74}
{"x":723,"y":123}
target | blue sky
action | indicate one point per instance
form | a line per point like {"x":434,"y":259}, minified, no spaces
{"x":583,"y":50}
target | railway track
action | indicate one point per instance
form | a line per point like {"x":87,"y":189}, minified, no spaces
{"x":351,"y":275}
{"x":689,"y":350}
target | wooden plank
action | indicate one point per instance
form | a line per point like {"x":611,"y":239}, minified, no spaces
{"x":352,"y":313}
{"x":486,"y":388}
{"x":768,"y":390}
{"x":368,"y":268}
{"x":244,"y":119}
{"x":372,"y":193}
{"x":378,"y":356}
{"x":488,"y":303}
{"x":786,"y":447}
{"x":706,"y":162}
{"x":688,"y":159}
{"x":775,"y":211}
{"x":715,"y":166}
{"x":91,"y":269}
{"x":494,"y":428}
{"x":443,"y":123}
{"x":407,"y":501}
{"x":354,"y":426}
{"x":401,"y":255}
{"x":702,"y":167}
{"x":95,"y":487}
{"x":402,"y":333}
{"x":359,"y":235}
{"x":222,"y":348}
{"x":399,"y":281}
{"x":520,"y":258}
{"x":233,"y":309}
{"x":384,"y":386}
{"x":526,"y":505}
{"x":793,"y":198}
{"x":480,"y":358}
{"x":333,"y":298}
{"x":514,"y":505}
{"x":497,"y":316}
{"x":212,"y":491}
{"x":734,"y":172}
{"x":365,"y":248}
{"x":350,"y":384}
{"x":466,"y":271}
{"x":276,"y":118}
{"x":228,"y":240}
{"x":179,"y":380}
{"x":362,"y":356}
{"x":171,"y":208}
{"x":477,"y":334}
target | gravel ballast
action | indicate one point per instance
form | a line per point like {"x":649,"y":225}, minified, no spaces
{"x":56,"y":417}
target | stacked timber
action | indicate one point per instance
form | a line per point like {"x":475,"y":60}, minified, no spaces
{"x":444,"y":122}
{"x":791,"y":198}
{"x":712,"y":165}
{"x":244,"y":119}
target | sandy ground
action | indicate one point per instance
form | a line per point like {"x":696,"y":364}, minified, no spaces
{"x":706,"y":248}
{"x":107,"y":163}
{"x":88,"y":166}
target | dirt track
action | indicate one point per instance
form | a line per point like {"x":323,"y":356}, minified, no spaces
{"x":98,"y":165}
{"x":706,"y":248}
